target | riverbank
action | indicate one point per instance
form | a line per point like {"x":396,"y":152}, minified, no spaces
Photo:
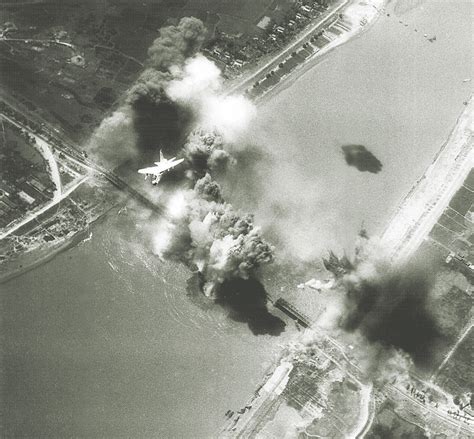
{"x":382,"y":90}
{"x":427,"y":199}
{"x":28,"y":261}
{"x":357,"y":17}
{"x":355,"y":11}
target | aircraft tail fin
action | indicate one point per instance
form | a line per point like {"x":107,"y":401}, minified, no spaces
{"x":162,"y":157}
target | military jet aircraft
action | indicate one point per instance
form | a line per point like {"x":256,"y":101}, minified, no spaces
{"x":161,"y":167}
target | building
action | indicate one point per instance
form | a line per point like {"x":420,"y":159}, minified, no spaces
{"x":24,"y":196}
{"x":264,"y":22}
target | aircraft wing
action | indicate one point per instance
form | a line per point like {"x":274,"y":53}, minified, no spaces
{"x":160,"y":167}
{"x":152,"y":170}
{"x":168,"y":165}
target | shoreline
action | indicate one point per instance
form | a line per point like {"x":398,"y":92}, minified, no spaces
{"x":43,"y":259}
{"x":425,"y":202}
{"x":240,"y":84}
{"x":286,"y":81}
{"x":358,"y":8}
{"x":51,"y":253}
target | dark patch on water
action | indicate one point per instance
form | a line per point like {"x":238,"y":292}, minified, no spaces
{"x":361,"y":158}
{"x":246,"y":301}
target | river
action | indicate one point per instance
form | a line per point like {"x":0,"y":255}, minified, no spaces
{"x":390,"y":90}
{"x":102,"y":341}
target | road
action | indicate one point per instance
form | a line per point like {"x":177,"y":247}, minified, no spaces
{"x":452,"y":350}
{"x":281,"y":56}
{"x":73,"y":153}
{"x":370,"y":418}
{"x":53,"y":166}
{"x":48,"y":155}
{"x":43,"y":209}
{"x":32,"y":40}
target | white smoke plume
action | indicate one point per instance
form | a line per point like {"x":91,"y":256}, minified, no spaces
{"x":199,"y":86}
{"x":207,"y":234}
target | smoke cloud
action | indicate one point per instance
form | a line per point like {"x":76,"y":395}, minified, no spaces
{"x":199,"y":88}
{"x":115,"y":139}
{"x":204,"y":153}
{"x":246,"y":301}
{"x":223,"y":248}
{"x":390,"y":305}
{"x":149,"y":86}
{"x":178,"y":105}
{"x":148,"y":118}
{"x":176,"y":43}
{"x":207,"y":234}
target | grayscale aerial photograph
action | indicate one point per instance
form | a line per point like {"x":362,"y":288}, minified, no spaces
{"x":236,"y":219}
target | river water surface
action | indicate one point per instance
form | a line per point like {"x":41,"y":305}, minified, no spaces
{"x":102,"y":341}
{"x":390,"y":90}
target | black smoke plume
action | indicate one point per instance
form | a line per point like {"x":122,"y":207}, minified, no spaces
{"x":176,"y":43}
{"x":148,"y":120}
{"x":166,"y":57}
{"x":246,"y":301}
{"x":390,"y":306}
{"x":159,"y":125}
{"x":159,"y":122}
{"x":150,"y":86}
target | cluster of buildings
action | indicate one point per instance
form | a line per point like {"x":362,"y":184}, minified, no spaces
{"x":232,"y":52}
{"x":297,"y":18}
{"x":315,"y":42}
{"x":323,"y":396}
{"x":52,"y":226}
{"x":24,"y":183}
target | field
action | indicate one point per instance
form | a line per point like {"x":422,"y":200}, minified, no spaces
{"x":454,"y":230}
{"x":457,"y":377}
{"x":388,"y":425}
{"x":449,"y":254}
{"x":72,"y":85}
{"x":25,"y":182}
